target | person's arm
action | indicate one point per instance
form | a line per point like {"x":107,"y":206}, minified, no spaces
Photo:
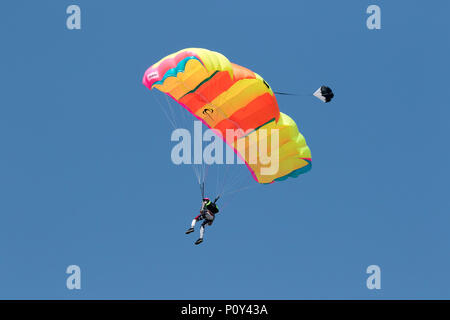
{"x":203,"y":206}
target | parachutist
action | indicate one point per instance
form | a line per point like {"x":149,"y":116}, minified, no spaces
{"x":208,"y":212}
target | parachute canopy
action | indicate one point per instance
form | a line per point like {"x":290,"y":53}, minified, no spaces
{"x":224,"y":96}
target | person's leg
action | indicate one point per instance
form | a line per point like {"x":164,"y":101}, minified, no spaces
{"x":191,"y":229}
{"x":202,"y":232}
{"x":195,"y":220}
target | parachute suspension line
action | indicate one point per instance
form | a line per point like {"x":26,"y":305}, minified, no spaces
{"x":202,"y":190}
{"x":225,"y":176}
{"x":171,"y":118}
{"x":292,"y":94}
{"x":240,"y":189}
{"x":172,"y":123}
{"x":229,"y":180}
{"x":201,"y":170}
{"x":221,"y":178}
{"x":324,"y":93}
{"x":169,"y":104}
{"x":217,"y":181}
{"x":197,"y":174}
{"x":205,"y":171}
{"x":236,"y":181}
{"x":233,"y":193}
{"x":170,"y":114}
{"x":235,"y":177}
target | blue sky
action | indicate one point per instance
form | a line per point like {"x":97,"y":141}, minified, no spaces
{"x":86,"y":176}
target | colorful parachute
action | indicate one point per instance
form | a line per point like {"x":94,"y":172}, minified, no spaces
{"x":226,"y":96}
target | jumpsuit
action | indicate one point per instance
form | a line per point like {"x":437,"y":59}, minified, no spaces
{"x":206,"y":215}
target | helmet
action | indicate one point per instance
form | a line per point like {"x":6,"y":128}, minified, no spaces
{"x":206,"y":199}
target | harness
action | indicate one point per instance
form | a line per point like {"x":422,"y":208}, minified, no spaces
{"x":212,"y":207}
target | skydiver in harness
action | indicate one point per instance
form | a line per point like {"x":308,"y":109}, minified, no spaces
{"x":207,"y":213}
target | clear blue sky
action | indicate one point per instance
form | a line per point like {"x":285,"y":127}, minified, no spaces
{"x":86,"y":176}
